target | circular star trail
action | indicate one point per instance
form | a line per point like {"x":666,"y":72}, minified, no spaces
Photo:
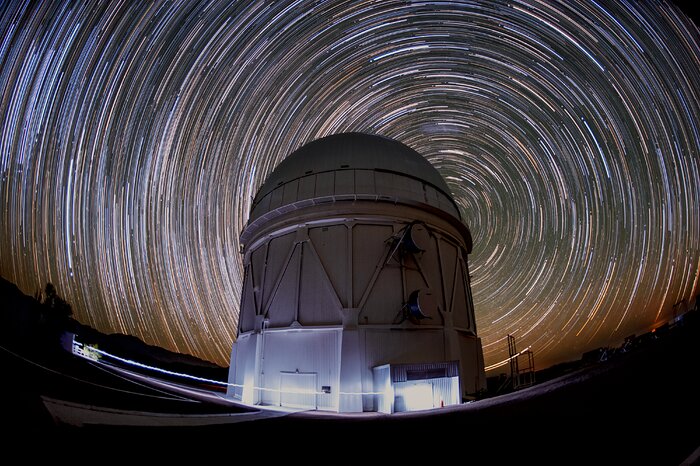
{"x":135,"y":134}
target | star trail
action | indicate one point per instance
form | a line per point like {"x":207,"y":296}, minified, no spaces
{"x":134,"y":135}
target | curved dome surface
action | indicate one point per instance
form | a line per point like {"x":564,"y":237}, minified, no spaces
{"x":348,"y":151}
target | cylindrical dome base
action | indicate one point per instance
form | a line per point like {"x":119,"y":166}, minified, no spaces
{"x":356,"y":294}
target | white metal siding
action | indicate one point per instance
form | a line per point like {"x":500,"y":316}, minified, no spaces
{"x":257,"y":270}
{"x":345,"y":182}
{"x":283,"y":303}
{"x":368,"y":249}
{"x":394,"y":347}
{"x":472,"y":359}
{"x":244,"y":369}
{"x":364,"y":182}
{"x":331,"y":245}
{"x":318,"y":302}
{"x":448,"y":259}
{"x":444,"y":391}
{"x":290,"y":193}
{"x":307,"y":186}
{"x":429,"y":370}
{"x":384,"y":401}
{"x":312,"y":351}
{"x":247,"y":318}
{"x":403,"y":346}
{"x":276,"y":198}
{"x":325,"y":184}
{"x":460,"y":306}
{"x":298,"y":390}
{"x":385,"y":302}
{"x":279,"y":249}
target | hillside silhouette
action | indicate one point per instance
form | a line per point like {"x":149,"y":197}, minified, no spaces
{"x":31,"y":325}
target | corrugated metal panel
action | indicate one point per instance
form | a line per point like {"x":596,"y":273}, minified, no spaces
{"x":247,"y":314}
{"x":470,"y":300}
{"x":385,"y":299}
{"x":364,"y":182}
{"x":431,"y":196}
{"x":415,"y":188}
{"x":472,"y":360}
{"x":388,"y":186}
{"x":382,"y":384}
{"x":312,"y":351}
{"x":446,"y":204}
{"x":430,"y":265}
{"x":345,"y":182}
{"x":448,"y":256}
{"x":283,"y":306}
{"x":325,"y":184}
{"x":331,"y":245}
{"x":279,"y":249}
{"x":244,"y":373}
{"x":384,"y":181}
{"x":368,"y":248}
{"x":298,"y":390}
{"x":290,"y":194}
{"x":318,"y":303}
{"x":460,"y":310}
{"x":398,"y":187}
{"x":234,"y":373}
{"x":276,"y":198}
{"x":307,"y":186}
{"x":400,"y":347}
{"x":426,"y":394}
{"x":445,"y":391}
{"x":257,"y":265}
{"x":430,"y":370}
{"x":261,"y":207}
{"x":412,"y":396}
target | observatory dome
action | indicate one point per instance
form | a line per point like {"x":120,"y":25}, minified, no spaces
{"x":358,"y":164}
{"x":356,"y":293}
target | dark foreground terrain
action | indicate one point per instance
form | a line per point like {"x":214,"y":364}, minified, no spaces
{"x":640,"y":406}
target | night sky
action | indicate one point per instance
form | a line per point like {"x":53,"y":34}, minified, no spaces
{"x":134,"y":136}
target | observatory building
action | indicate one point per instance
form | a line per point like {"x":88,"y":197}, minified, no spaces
{"x":356,"y":293}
